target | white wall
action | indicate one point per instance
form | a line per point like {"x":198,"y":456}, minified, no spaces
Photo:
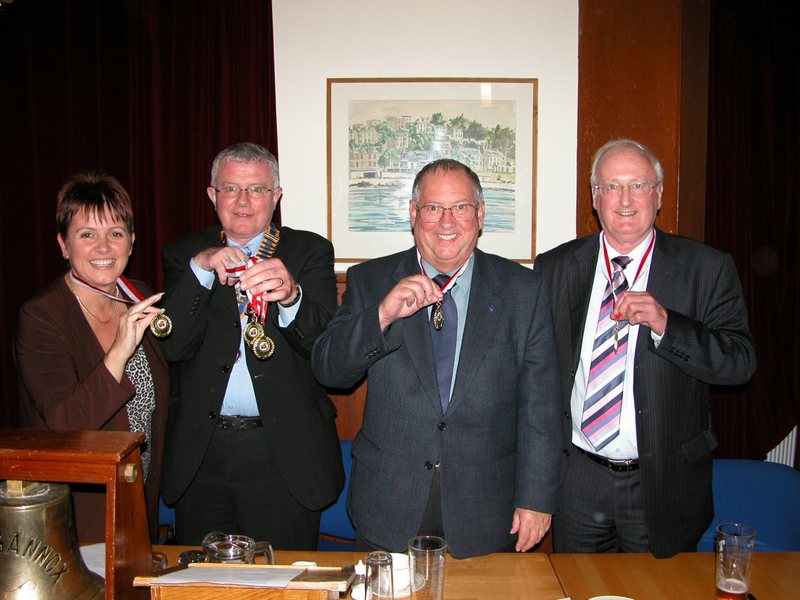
{"x":318,"y":39}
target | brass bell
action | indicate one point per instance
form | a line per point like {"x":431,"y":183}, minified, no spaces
{"x":39,"y":556}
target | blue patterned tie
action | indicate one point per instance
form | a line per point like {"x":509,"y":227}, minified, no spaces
{"x":444,"y":343}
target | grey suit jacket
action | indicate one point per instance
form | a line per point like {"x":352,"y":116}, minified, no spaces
{"x":706,"y":342}
{"x":299,"y":418}
{"x":497,"y":443}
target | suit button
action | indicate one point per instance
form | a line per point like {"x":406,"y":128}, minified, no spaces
{"x":442,"y":426}
{"x":225,"y":368}
{"x":565,"y":452}
{"x":567,"y":416}
{"x":212,"y":415}
{"x":428,"y":465}
{"x":237,"y":324}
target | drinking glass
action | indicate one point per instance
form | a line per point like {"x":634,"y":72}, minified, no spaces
{"x":379,"y":582}
{"x":426,"y":567}
{"x":734,"y":554}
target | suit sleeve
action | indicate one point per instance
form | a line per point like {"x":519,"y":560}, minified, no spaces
{"x":353,"y":341}
{"x":318,"y":280}
{"x":716,"y":347}
{"x":186,"y":303}
{"x":539,"y":422}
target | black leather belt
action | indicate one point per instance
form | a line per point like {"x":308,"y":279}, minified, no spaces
{"x":238,"y":423}
{"x":628,"y":464}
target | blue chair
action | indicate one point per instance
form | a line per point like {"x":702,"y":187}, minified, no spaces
{"x":166,"y":523}
{"x":762,"y":494}
{"x":335,"y":529}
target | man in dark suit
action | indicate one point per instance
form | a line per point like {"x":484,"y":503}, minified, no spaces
{"x":463,"y":446}
{"x":251,"y":444}
{"x":645,"y":322}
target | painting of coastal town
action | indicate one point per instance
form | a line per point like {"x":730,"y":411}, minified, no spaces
{"x":381,"y":134}
{"x":390,"y":141}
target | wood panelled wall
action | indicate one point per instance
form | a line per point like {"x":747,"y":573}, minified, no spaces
{"x":643,"y":74}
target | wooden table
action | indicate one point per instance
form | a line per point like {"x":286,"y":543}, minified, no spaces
{"x":689,"y":576}
{"x":492,"y":577}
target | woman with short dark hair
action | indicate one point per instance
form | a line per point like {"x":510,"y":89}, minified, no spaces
{"x":85,"y":358}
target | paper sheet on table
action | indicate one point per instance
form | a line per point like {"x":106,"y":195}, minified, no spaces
{"x":94,"y":556}
{"x":253,"y":576}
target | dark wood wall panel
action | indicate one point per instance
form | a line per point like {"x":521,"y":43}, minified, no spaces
{"x":643,"y":68}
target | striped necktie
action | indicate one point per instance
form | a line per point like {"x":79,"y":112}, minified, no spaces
{"x":603,"y":403}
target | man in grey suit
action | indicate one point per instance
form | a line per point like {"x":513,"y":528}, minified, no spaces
{"x":471,"y":456}
{"x":645,"y":322}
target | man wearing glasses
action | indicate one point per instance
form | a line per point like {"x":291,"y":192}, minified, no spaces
{"x":252,"y":446}
{"x":645,"y":323}
{"x":460,"y":435}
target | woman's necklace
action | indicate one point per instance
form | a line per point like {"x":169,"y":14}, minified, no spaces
{"x":90,"y":313}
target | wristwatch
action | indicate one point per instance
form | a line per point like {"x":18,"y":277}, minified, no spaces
{"x":299,"y":291}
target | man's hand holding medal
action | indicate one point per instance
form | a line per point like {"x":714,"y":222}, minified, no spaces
{"x":257,"y":282}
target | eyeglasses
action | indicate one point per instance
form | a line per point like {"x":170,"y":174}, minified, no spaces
{"x":232,"y":192}
{"x":637,"y":189}
{"x":433,"y":213}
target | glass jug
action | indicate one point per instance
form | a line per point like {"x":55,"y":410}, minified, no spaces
{"x":235,"y":549}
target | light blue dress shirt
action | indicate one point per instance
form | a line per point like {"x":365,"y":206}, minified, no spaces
{"x":240,"y":397}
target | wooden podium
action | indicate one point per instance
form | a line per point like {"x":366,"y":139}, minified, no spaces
{"x":111,"y":458}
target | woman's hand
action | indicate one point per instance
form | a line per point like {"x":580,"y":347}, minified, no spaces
{"x":130,"y":331}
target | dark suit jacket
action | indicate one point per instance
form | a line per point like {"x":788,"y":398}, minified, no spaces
{"x":299,"y":418}
{"x":64,"y":385}
{"x":497,"y":443}
{"x":707,"y":342}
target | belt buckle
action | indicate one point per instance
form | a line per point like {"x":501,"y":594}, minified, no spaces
{"x":626,"y":464}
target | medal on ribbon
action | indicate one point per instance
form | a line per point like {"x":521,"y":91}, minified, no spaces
{"x":437,"y":312}
{"x":261,"y":345}
{"x":438,"y":316}
{"x":616,"y":316}
{"x":160,"y":325}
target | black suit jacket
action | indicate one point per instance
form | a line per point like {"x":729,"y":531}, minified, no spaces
{"x":299,"y":418}
{"x":706,"y":342}
{"x":498,"y":442}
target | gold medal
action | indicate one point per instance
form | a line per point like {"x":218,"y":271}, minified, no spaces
{"x":252,"y":331}
{"x":161,"y":326}
{"x":438,"y":317}
{"x":263,"y":347}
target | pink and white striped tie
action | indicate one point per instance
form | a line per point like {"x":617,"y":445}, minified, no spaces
{"x":603,"y":403}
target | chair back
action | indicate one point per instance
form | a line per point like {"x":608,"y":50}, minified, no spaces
{"x":336,"y":530}
{"x":166,"y":523}
{"x":762,"y":494}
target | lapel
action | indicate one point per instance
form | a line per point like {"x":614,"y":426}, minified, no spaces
{"x":223,"y":296}
{"x":484,"y":309}
{"x":417,"y":335}
{"x":577,"y":291}
{"x":664,"y":279}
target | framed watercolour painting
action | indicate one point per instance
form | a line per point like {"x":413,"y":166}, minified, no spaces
{"x":381,"y":132}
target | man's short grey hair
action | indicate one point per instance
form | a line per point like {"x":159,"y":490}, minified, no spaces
{"x":447,"y":165}
{"x":633,"y":145}
{"x":246,"y":152}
